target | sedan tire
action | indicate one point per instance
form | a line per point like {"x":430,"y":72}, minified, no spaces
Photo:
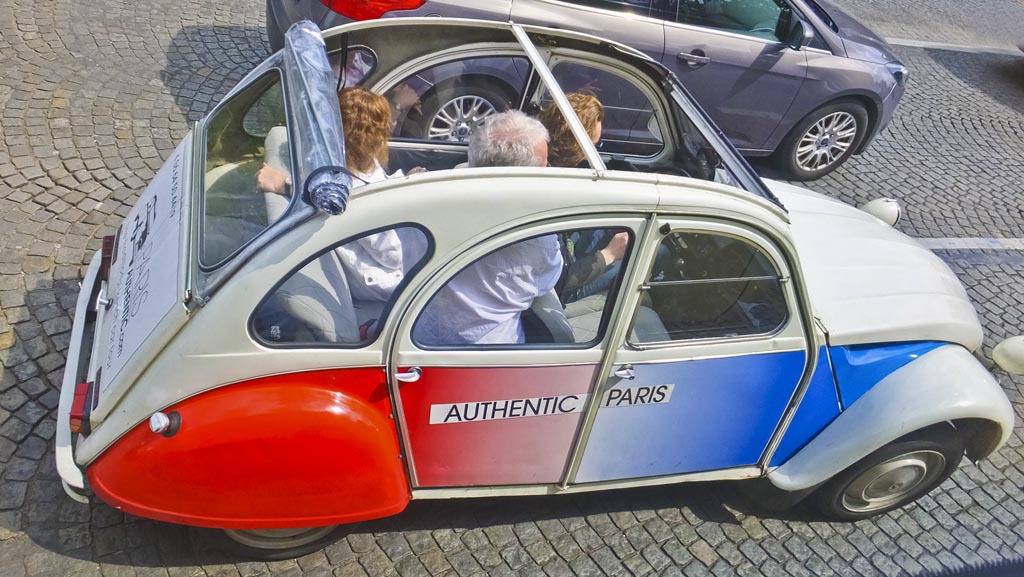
{"x":892,"y":476}
{"x":823,"y":140}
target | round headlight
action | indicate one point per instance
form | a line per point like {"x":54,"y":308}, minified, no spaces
{"x":886,"y":210}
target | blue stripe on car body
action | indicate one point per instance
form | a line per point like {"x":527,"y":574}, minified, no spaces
{"x":860,"y":367}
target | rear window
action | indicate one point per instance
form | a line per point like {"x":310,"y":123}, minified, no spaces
{"x":246,"y":133}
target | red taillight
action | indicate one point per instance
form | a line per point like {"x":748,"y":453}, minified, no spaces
{"x":369,"y":9}
{"x":107,"y":256}
{"x":77,"y":416}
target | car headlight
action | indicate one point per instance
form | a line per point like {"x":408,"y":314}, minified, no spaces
{"x":900,"y":72}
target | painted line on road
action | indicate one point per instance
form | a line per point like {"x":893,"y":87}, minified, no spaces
{"x":954,"y":47}
{"x":972,"y":243}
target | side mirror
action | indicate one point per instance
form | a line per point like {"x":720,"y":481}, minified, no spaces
{"x":800,"y":35}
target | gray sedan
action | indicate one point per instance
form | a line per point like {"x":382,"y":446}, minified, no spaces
{"x":799,"y":80}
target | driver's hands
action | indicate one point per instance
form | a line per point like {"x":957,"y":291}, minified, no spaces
{"x":405,"y":98}
{"x":616,"y":248}
{"x":270,"y":179}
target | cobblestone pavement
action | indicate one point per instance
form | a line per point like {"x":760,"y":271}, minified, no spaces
{"x":93,"y":95}
{"x":993,"y":23}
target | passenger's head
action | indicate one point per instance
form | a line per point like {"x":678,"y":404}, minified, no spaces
{"x":564,"y":150}
{"x":367,"y":120}
{"x":509,"y":139}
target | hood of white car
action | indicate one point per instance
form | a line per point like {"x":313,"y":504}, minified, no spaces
{"x":869,"y":283}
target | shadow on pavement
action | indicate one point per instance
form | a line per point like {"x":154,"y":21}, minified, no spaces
{"x":204,"y":62}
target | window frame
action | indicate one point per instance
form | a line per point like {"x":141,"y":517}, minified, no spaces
{"x":659,"y":108}
{"x":201,"y":153}
{"x":614,"y":291}
{"x":386,"y":312}
{"x":791,"y":325}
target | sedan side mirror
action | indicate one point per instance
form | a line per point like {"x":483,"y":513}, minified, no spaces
{"x":800,"y":35}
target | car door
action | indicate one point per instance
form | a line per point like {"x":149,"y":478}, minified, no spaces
{"x":727,"y":55}
{"x":714,"y":356}
{"x":488,"y":399}
{"x":627,"y":21}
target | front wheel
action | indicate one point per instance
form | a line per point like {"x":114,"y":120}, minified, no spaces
{"x":823,"y":140}
{"x":892,"y":476}
{"x":277,"y":544}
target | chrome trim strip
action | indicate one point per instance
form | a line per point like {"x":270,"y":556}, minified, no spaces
{"x":541,"y":68}
{"x":529,"y":490}
{"x":70,"y":475}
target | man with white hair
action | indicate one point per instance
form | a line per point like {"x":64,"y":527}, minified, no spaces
{"x":483,"y":303}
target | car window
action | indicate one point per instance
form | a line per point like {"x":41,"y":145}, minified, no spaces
{"x":630,"y":126}
{"x":343,"y":296}
{"x":554,"y":289}
{"x":752,"y":17}
{"x":706,"y":285}
{"x":447,"y":101}
{"x":641,"y":7}
{"x":248,"y":131}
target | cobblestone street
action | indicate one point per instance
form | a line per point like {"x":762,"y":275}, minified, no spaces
{"x":94,"y":95}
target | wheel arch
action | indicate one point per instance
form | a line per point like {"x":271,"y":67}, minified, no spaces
{"x":945,"y":385}
{"x":870,"y":104}
{"x":492,"y":80}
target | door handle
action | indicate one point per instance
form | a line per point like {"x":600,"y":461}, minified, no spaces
{"x":410,"y":376}
{"x":625,"y":372}
{"x":694,"y":59}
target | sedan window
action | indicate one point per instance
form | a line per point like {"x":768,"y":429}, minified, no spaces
{"x":706,"y":286}
{"x":752,"y":17}
{"x":343,"y":296}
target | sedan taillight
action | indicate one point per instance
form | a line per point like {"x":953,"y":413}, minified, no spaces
{"x":370,"y":9}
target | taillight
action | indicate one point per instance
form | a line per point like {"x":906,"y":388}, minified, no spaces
{"x":109,"y":253}
{"x":78,"y":407}
{"x":369,"y":9}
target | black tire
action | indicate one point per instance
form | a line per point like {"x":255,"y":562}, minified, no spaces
{"x":261,"y":546}
{"x":812,"y":165}
{"x":449,"y":96}
{"x":922,"y":461}
{"x":274,"y":35}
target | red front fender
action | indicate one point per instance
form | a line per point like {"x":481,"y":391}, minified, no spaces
{"x":295,"y":450}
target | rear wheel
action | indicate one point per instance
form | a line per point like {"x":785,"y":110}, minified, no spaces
{"x":451,"y":113}
{"x":823,"y":140}
{"x":276,"y":544}
{"x":892,"y":476}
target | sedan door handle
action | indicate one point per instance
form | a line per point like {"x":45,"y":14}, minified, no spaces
{"x":410,"y":376}
{"x":694,"y":59}
{"x":625,"y":372}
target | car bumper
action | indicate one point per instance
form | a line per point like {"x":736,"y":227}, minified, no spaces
{"x":70,"y":474}
{"x":886,"y":112}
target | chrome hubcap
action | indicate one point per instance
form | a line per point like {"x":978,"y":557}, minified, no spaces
{"x":826,"y":141}
{"x":276,"y":539}
{"x":889,"y":483}
{"x":457,"y":119}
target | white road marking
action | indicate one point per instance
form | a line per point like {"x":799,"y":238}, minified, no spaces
{"x":955,"y":47}
{"x":972,"y":243}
